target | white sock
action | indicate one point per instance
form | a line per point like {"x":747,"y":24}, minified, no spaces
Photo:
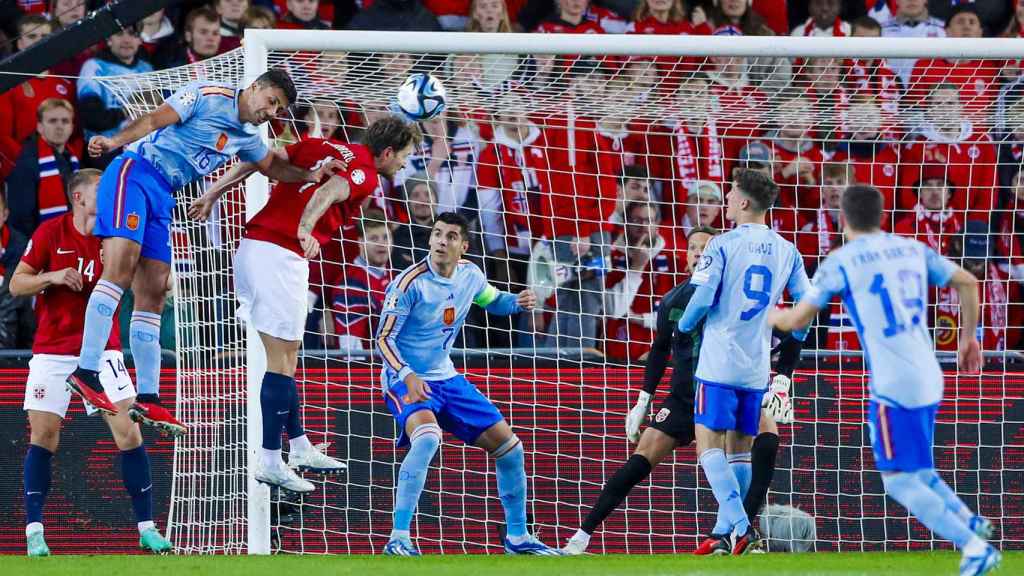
{"x":300,"y":444}
{"x":33,"y":528}
{"x":271,"y":458}
{"x":517,"y":540}
{"x":401,"y":534}
{"x":143,"y":526}
{"x":581,"y":536}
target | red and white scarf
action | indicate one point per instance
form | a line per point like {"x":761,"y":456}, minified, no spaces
{"x":995,"y":303}
{"x":686,"y":158}
{"x":837,"y":28}
{"x":829,"y":233}
{"x":51,"y":198}
{"x":937,"y":227}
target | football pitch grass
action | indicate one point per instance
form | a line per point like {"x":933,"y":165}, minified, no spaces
{"x":811,"y":564}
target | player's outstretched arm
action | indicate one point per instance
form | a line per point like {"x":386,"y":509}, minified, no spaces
{"x":698,"y":306}
{"x":201,"y":208}
{"x":969,"y":351}
{"x":275,"y":165}
{"x":27,"y":281}
{"x":335,"y":190}
{"x":795,"y":318}
{"x":505,"y":303}
{"x":142,"y":126}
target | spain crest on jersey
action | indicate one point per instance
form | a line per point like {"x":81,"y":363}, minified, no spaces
{"x":449,"y":316}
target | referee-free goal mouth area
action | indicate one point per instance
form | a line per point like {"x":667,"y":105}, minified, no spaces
{"x":808,"y":564}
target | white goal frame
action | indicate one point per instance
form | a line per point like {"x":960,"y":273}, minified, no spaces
{"x":259,"y":43}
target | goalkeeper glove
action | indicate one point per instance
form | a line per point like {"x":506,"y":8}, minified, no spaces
{"x":636,"y":416}
{"x":777,"y":401}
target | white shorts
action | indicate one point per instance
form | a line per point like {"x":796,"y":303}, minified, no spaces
{"x":47,"y":391}
{"x":271,"y":283}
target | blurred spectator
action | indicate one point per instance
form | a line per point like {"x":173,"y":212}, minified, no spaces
{"x":484,"y":16}
{"x":875,"y":158}
{"x":1000,"y":319}
{"x":12,"y":245}
{"x":824,"y":232}
{"x":19,"y":104}
{"x":740,"y":14}
{"x":571,"y":18}
{"x":994,"y":14}
{"x":932,"y":222}
{"x":754,"y":156}
{"x":824,"y":20}
{"x":976,"y":79}
{"x":64,"y":13}
{"x":642,"y":271}
{"x":1010,"y":130}
{"x":100,"y":109}
{"x":17,"y":320}
{"x":872,"y":78}
{"x":703,"y":206}
{"x":910,"y":21}
{"x":451,"y":146}
{"x":412,"y":239}
{"x":798,"y":157}
{"x":356,"y":303}
{"x":36,"y":187}
{"x":1015,"y":29}
{"x":1009,"y":232}
{"x":232,"y":13}
{"x":947,"y":138}
{"x":302,"y":15}
{"x":634,"y":186}
{"x":409,"y":15}
{"x":663,"y":17}
{"x":201,"y":41}
{"x":513,"y":176}
{"x":156,"y":31}
{"x":258,"y":17}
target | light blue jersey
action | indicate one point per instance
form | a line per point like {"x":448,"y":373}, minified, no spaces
{"x":741,"y":274}
{"x":424,"y":311}
{"x":883,"y":280}
{"x":207,"y":136}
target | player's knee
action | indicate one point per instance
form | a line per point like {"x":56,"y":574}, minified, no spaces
{"x":45,"y":436}
{"x":898,"y":483}
{"x":127,"y":435}
{"x":929,"y":477}
{"x":426,"y":437}
{"x":511,"y":447}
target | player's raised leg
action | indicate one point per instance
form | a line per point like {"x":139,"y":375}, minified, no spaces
{"x":137,"y":477}
{"x":654,"y":446}
{"x":43,"y":441}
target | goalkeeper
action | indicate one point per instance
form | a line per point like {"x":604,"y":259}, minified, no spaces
{"x":672,"y":425}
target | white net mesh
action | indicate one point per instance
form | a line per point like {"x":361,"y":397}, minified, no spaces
{"x":590,"y":172}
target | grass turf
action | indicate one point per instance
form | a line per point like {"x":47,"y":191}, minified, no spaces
{"x":814,"y":564}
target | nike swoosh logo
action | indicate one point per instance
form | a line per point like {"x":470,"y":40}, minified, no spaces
{"x":119,"y":388}
{"x":61,"y":251}
{"x":147,"y":488}
{"x":31,"y":493}
{"x":282,"y":413}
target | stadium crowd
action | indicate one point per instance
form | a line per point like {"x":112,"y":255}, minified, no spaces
{"x":943,"y":140}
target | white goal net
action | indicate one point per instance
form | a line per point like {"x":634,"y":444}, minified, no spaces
{"x":582,"y":176}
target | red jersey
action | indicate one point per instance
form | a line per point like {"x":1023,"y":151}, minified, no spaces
{"x":583,"y":186}
{"x":60,"y":311}
{"x":521,"y":172}
{"x":876,"y":164}
{"x":978,"y":81}
{"x":937,"y":229}
{"x":970,"y":163}
{"x":356,"y":304}
{"x":626,"y":148}
{"x":555,"y":25}
{"x":794,"y":191}
{"x":278,"y":221}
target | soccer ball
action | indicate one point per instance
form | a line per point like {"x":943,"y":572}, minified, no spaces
{"x":421,"y":97}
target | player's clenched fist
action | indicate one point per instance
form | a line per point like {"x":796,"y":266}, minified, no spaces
{"x":310,"y":245}
{"x":201,"y":208}
{"x":67,"y":277}
{"x":327,"y":168}
{"x":100,"y":145}
{"x":527,"y":300}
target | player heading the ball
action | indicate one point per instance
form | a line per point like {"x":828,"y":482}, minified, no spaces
{"x":195,"y":131}
{"x":742,"y":273}
{"x":61,"y":266}
{"x":884,"y":279}
{"x":272,"y":273}
{"x":424,"y":310}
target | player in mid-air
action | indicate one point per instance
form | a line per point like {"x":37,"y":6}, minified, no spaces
{"x":672,"y":425}
{"x":741,"y":274}
{"x":60,"y":268}
{"x":424,"y":310}
{"x":195,"y":131}
{"x":272,"y":271}
{"x":883,"y":280}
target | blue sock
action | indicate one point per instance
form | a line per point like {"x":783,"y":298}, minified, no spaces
{"x":927,"y":506}
{"x":726,"y":488}
{"x":145,"y":343}
{"x":275,"y":403}
{"x":510,"y":465}
{"x":293,"y":426}
{"x":740,"y":466}
{"x":426,"y":438}
{"x":954,"y":504}
{"x":138,"y":482}
{"x":99,"y":318}
{"x":37,"y":482}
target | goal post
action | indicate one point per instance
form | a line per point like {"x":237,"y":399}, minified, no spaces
{"x":615,"y":145}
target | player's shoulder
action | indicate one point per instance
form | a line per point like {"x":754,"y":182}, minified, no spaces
{"x":406,"y":279}
{"x":468,"y":268}
{"x":220,"y":89}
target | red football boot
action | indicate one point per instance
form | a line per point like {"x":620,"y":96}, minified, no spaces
{"x":714,"y":545}
{"x":147,"y":410}
{"x":86,"y":383}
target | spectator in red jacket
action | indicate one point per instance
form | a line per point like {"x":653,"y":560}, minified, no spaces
{"x":875,"y":158}
{"x":1016,"y":27}
{"x":232,"y":13}
{"x":999,"y":327}
{"x":201,"y":41}
{"x":947,"y":138}
{"x":488,"y":16}
{"x":873,"y":78}
{"x":571,"y":18}
{"x":977,"y":80}
{"x":643,"y":269}
{"x":823,"y":233}
{"x":357,"y":302}
{"x":798,"y":157}
{"x":824,"y":20}
{"x":302,"y":15}
{"x":932,"y":221}
{"x":663,"y":17}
